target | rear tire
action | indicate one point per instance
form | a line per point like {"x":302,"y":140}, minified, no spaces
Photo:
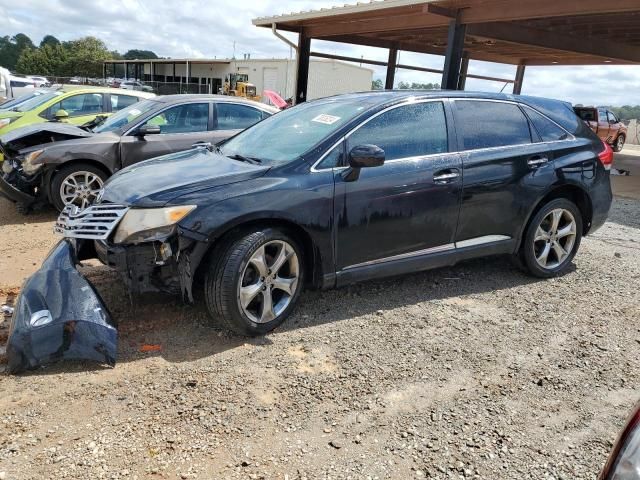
{"x":254,"y":280}
{"x":552,"y":239}
{"x":62,"y":188}
{"x":618,"y":145}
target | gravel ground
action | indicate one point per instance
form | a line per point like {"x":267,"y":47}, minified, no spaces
{"x":476,"y":371}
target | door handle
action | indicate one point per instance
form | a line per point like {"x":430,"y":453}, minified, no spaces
{"x":537,"y":161}
{"x":446,"y":176}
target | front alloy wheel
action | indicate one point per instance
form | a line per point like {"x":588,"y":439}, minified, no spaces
{"x":254,"y":280}
{"x":76,"y":184}
{"x":269,"y":281}
{"x":80,"y":189}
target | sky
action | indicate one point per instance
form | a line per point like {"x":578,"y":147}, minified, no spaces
{"x":218,"y":28}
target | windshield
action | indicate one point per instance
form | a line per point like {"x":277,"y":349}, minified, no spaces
{"x":125,"y":116}
{"x":290,"y":134}
{"x":35,"y":102}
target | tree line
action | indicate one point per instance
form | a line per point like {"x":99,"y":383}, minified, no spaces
{"x":378,"y":84}
{"x":82,"y":57}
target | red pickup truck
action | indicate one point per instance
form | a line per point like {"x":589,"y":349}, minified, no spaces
{"x":605,"y":124}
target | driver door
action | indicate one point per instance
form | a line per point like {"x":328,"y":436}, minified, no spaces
{"x":181,"y":126}
{"x":409,"y":206}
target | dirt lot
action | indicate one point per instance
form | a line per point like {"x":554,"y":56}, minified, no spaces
{"x":475,"y":371}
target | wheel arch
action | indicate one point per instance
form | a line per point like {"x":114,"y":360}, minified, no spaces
{"x":576,"y":194}
{"x":53,"y":171}
{"x":311,"y":252}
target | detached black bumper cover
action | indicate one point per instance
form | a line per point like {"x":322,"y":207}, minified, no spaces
{"x":59,"y":315}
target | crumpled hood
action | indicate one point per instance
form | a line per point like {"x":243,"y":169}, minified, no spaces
{"x":65,"y":129}
{"x":155,"y":182}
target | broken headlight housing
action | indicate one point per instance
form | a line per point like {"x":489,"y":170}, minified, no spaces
{"x":30,"y":164}
{"x":150,"y":224}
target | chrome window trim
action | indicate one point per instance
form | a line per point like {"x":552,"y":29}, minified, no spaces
{"x":409,"y":101}
{"x":472,"y":242}
{"x":570,"y":136}
{"x":517,"y":104}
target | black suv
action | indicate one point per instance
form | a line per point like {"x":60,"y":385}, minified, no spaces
{"x":330,"y":192}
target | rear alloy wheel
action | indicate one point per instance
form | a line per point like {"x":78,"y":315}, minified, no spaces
{"x":619,"y":144}
{"x":77,"y":185}
{"x":255,"y":281}
{"x":552,"y":238}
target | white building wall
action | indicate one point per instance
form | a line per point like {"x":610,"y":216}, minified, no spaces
{"x":326,"y":77}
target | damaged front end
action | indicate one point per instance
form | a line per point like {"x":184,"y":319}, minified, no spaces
{"x":59,"y":315}
{"x":21,"y":175}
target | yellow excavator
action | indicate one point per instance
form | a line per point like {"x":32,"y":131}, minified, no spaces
{"x":237,"y":85}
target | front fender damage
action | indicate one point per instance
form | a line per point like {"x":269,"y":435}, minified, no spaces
{"x":59,"y":315}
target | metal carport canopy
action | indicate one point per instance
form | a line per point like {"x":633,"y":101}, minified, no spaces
{"x":518,"y":32}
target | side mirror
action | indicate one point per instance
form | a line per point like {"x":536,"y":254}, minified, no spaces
{"x":365,"y":156}
{"x":612,"y":122}
{"x":149,"y":130}
{"x":61,"y":115}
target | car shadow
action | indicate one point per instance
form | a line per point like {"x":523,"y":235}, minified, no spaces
{"x":163,"y":326}
{"x":9,"y":214}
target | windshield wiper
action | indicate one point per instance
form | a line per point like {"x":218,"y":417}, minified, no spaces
{"x":242,"y":158}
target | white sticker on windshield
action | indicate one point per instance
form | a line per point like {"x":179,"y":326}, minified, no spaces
{"x":326,"y":119}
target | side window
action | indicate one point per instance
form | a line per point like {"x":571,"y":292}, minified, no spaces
{"x":612,"y":118}
{"x":333,"y":159}
{"x":548,"y":131}
{"x":408,"y":131}
{"x":78,"y":105}
{"x":236,"y":117}
{"x":118,"y":102}
{"x":490,"y":124}
{"x":192,"y":117}
{"x":602,"y":115}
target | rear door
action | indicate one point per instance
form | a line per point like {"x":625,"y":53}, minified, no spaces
{"x":408,"y":206}
{"x":505,"y":167}
{"x":181,"y":126}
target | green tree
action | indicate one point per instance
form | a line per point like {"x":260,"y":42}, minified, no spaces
{"x":85,"y":57}
{"x":139,"y":55}
{"x":49,"y":40}
{"x":46,"y":60}
{"x":377,"y":84}
{"x":11,"y":48}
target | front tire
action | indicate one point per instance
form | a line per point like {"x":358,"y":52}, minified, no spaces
{"x":254,"y":281}
{"x":619,"y":143}
{"x":77,"y":184}
{"x":552,"y":239}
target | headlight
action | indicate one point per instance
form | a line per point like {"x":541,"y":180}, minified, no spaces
{"x":149,"y":224}
{"x":6,"y":121}
{"x":29,"y":164}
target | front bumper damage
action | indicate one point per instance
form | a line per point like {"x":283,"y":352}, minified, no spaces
{"x":16,"y":186}
{"x":59,"y":315}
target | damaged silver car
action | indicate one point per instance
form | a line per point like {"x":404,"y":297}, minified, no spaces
{"x":62,"y":164}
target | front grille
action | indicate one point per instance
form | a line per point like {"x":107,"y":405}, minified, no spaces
{"x":93,"y":223}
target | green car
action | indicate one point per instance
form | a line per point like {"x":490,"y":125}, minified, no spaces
{"x":72,"y":105}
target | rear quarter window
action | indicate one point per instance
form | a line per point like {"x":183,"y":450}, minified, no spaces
{"x":548,"y":131}
{"x":487,"y":124}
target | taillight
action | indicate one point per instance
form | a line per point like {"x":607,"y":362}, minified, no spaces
{"x":606,"y":156}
